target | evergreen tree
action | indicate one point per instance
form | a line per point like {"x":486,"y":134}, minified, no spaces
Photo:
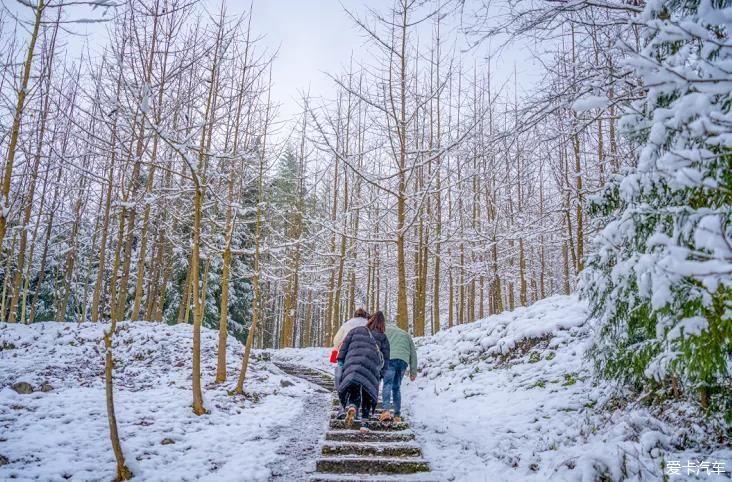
{"x":659,"y":279}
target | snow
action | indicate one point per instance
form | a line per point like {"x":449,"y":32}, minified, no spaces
{"x":316,"y":358}
{"x":488,"y":406}
{"x":50,"y":436}
{"x":510,"y":397}
{"x":538,"y":413}
{"x":671,"y":228}
{"x":590,"y":102}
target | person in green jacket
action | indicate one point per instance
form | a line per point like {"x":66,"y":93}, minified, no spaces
{"x":402,"y":354}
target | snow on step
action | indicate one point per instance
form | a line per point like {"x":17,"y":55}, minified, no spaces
{"x":316,"y":377}
{"x":336,"y":412}
{"x":371,"y":465}
{"x":379,"y":449}
{"x":385,"y":453}
{"x":371,"y":425}
{"x":337,"y":404}
{"x":356,"y":436}
{"x":418,"y":477}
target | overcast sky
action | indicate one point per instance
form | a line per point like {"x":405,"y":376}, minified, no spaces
{"x":311,"y":37}
{"x":317,"y":36}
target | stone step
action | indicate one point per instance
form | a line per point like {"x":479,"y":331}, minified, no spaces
{"x":336,"y":411}
{"x":328,"y":385}
{"x":418,"y":477}
{"x":322,"y":381}
{"x":373,"y":425}
{"x":371,"y":465}
{"x":372,"y":436}
{"x":366,"y":449}
{"x":337,"y":403}
{"x":317,"y":377}
{"x":386,"y":453}
{"x":313,"y":375}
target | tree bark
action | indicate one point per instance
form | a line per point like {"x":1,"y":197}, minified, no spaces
{"x":17,"y":120}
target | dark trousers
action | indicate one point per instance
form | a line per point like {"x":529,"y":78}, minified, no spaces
{"x":354,"y":394}
{"x":393,"y":385}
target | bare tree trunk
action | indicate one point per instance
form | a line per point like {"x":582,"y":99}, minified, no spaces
{"x":230,"y":221}
{"x":579,"y":265}
{"x":565,"y":266}
{"x":123,"y":473}
{"x":522,"y":274}
{"x":308,"y":321}
{"x":450,"y":300}
{"x":97,"y":295}
{"x":18,"y":278}
{"x":256,"y":308}
{"x":70,"y":259}
{"x":614,"y":160}
{"x":6,"y":280}
{"x":198,"y":407}
{"x":17,"y":120}
{"x":402,"y":310}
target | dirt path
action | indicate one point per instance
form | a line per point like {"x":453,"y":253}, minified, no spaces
{"x":303,"y":444}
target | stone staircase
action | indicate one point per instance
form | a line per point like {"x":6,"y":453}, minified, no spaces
{"x":387,"y":452}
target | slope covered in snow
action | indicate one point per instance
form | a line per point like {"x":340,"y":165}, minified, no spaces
{"x":63,"y":433}
{"x":507,"y":398}
{"x":512,"y":397}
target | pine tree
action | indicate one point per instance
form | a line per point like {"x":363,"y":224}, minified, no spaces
{"x":658,"y":280}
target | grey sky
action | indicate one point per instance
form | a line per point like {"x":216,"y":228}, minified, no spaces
{"x":312,"y":37}
{"x":317,"y":36}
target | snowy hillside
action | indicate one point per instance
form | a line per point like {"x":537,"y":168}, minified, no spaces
{"x":62,"y":433}
{"x":507,"y":398}
{"x":511,"y":397}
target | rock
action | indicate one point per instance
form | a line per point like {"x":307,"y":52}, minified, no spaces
{"x":4,"y":460}
{"x":167,"y":441}
{"x":46,"y":387}
{"x":264,"y":356}
{"x":286,"y":383}
{"x":24,"y":388}
{"x":7,"y":346}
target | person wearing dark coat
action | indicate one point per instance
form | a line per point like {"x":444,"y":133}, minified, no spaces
{"x":364,"y":356}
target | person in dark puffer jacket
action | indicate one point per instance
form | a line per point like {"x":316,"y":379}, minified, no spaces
{"x":364,"y":356}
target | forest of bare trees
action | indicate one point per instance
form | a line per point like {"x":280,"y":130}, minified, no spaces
{"x":146,"y":181}
{"x":434,"y":192}
{"x":147,"y":174}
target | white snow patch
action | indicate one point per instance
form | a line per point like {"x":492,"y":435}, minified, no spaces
{"x":537,"y":415}
{"x":64,"y":433}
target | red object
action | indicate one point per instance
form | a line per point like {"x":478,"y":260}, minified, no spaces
{"x":334,"y":356}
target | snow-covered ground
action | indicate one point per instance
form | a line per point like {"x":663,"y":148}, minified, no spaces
{"x":492,"y":406}
{"x":63,"y":433}
{"x":507,"y":398}
{"x":512,"y":397}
